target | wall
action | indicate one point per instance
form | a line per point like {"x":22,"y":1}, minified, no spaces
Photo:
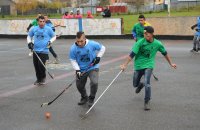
{"x":173,"y":25}
{"x":111,"y":26}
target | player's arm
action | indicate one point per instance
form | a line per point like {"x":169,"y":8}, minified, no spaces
{"x":128,"y":60}
{"x":169,"y":61}
{"x":53,"y":37}
{"x":134,"y":32}
{"x":194,"y":26}
{"x":165,"y":54}
{"x":30,"y":25}
{"x":101,"y":50}
{"x":29,"y":39}
{"x":135,"y":50}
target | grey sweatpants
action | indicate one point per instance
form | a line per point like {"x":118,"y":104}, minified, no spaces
{"x":196,"y":42}
{"x":93,"y":76}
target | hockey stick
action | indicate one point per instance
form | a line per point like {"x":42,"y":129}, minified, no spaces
{"x":51,"y":75}
{"x":84,"y":116}
{"x":57,"y":36}
{"x":59,"y":26}
{"x":49,"y":103}
{"x":155,"y":77}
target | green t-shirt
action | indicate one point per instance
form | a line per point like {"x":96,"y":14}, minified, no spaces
{"x":34,"y":22}
{"x":139,"y":30}
{"x":145,"y":53}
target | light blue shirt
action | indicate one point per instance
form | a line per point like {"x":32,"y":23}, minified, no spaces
{"x":85,"y":55}
{"x":41,"y":38}
{"x":198,"y":26}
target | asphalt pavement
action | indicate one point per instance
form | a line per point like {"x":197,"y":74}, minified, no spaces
{"x":175,"y":103}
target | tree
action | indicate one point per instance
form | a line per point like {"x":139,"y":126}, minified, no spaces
{"x":56,"y":4}
{"x":25,"y":5}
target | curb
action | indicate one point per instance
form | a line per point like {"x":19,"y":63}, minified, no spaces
{"x":126,"y":36}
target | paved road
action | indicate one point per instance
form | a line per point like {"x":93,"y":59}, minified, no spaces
{"x":175,"y":98}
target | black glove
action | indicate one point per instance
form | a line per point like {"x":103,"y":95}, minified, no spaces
{"x":197,"y":29}
{"x":30,"y":45}
{"x":96,"y":61}
{"x":78,"y":74}
{"x":49,"y":44}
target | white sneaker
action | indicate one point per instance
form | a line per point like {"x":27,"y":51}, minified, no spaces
{"x":30,"y":53}
{"x":56,"y":61}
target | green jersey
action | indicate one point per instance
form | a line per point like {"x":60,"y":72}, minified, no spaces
{"x":138,"y":30}
{"x":35,"y":22}
{"x":145,"y":53}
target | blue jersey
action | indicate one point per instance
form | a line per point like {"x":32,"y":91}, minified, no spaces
{"x":85,"y":55}
{"x":198,"y":26}
{"x":49,"y":23}
{"x":41,"y":38}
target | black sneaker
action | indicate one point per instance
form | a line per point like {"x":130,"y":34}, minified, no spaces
{"x":42,"y":82}
{"x":90,"y":102}
{"x":83,"y":101}
{"x":147,"y":105}
{"x":193,"y":50}
{"x":139,"y":88}
{"x":36,"y":82}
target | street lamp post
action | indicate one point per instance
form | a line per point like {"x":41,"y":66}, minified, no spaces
{"x":169,"y":6}
{"x":91,"y":7}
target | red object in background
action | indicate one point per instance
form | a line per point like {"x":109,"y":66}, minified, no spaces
{"x":118,"y":9}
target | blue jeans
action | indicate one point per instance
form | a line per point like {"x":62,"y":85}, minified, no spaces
{"x":147,"y":76}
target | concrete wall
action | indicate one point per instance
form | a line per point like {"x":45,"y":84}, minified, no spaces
{"x":111,"y":26}
{"x":173,"y":25}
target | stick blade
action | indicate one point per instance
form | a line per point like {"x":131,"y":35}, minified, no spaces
{"x":83,"y":116}
{"x":45,"y":104}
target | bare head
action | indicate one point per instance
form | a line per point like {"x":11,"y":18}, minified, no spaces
{"x":46,"y":17}
{"x":78,"y":12}
{"x":141,"y":19}
{"x":38,"y":15}
{"x":80,"y":39}
{"x":41,"y":21}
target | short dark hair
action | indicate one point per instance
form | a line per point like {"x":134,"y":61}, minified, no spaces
{"x":40,"y":17}
{"x":79,"y":34}
{"x":141,"y":16}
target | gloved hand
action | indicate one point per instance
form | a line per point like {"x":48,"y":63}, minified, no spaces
{"x":96,"y":61}
{"x":49,"y":44}
{"x":192,"y":28}
{"x":30,"y":45}
{"x":78,"y":74}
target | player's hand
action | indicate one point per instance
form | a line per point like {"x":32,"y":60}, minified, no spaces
{"x":123,"y":67}
{"x":96,"y":61}
{"x":30,"y":45}
{"x":197,"y":29}
{"x":192,"y":28}
{"x":49,"y":44}
{"x":78,"y":74}
{"x":174,"y":66}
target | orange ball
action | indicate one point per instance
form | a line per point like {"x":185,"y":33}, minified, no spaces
{"x":47,"y":115}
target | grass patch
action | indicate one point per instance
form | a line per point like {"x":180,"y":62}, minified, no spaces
{"x":129,"y":18}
